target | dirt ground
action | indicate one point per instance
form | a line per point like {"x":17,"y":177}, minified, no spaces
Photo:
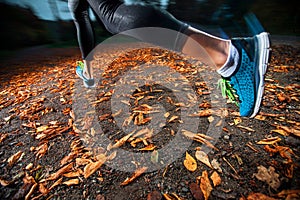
{"x":42,"y":155}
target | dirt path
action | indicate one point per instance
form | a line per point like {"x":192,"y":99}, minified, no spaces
{"x":42,"y":156}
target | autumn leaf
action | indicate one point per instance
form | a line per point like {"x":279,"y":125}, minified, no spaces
{"x":202,"y":156}
{"x":71,"y":182}
{"x":205,"y":185}
{"x":189,"y":162}
{"x":61,"y":171}
{"x":196,"y":191}
{"x":136,"y":174}
{"x":90,"y":168}
{"x":119,"y":142}
{"x":216,"y":179}
{"x":259,"y":196}
{"x":14,"y":158}
{"x":269,"y":176}
{"x":272,"y":140}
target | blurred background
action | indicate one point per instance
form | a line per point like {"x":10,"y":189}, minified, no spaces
{"x":26,"y":23}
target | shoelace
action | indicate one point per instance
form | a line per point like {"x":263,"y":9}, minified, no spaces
{"x":80,"y":64}
{"x":227,"y":91}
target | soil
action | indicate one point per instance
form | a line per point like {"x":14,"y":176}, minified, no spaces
{"x":37,"y":89}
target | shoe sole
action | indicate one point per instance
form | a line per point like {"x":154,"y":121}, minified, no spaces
{"x":84,"y":80}
{"x":263,"y":46}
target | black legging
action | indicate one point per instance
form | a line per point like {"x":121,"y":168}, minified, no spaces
{"x":118,"y":17}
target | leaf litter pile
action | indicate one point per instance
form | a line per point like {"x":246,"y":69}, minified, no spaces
{"x":44,"y":157}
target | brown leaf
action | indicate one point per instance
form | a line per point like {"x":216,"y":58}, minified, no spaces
{"x":269,"y":176}
{"x":71,"y":182}
{"x":259,"y":196}
{"x":136,"y":174}
{"x":196,"y":191}
{"x":202,"y":156}
{"x":119,"y":142}
{"x":56,"y":183}
{"x":61,"y":171}
{"x":150,"y":147}
{"x":41,"y":150}
{"x":43,"y":189}
{"x":14,"y":158}
{"x":4,"y":182}
{"x":205,"y":185}
{"x":72,"y":174}
{"x":189,"y":162}
{"x":272,"y":140}
{"x":216,"y":179}
{"x":92,"y":167}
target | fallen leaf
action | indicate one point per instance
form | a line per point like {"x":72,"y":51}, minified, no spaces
{"x":205,"y":185}
{"x":216,"y":179}
{"x":259,"y":196}
{"x":119,"y":142}
{"x":61,"y":171}
{"x":196,"y":191}
{"x":272,"y":140}
{"x":202,"y":156}
{"x":43,"y":189}
{"x":90,"y":168}
{"x":216,"y":165}
{"x":56,"y":183}
{"x":246,"y":128}
{"x":269,"y":176}
{"x":285,"y":193}
{"x":189,"y":162}
{"x":14,"y":158}
{"x":72,"y":174}
{"x":172,"y":196}
{"x":4,"y":182}
{"x":150,"y":147}
{"x":71,"y":182}
{"x":136,"y":174}
{"x":280,"y":131}
{"x":154,"y":156}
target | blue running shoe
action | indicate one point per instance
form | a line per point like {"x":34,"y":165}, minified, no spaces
{"x":248,"y":79}
{"x":88,"y":83}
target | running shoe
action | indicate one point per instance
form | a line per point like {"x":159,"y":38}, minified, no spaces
{"x":88,"y":83}
{"x":248,"y":79}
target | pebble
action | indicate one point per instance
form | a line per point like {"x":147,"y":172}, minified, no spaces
{"x":226,"y":137}
{"x":184,"y":189}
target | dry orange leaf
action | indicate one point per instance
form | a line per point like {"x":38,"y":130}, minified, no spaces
{"x":269,"y":176}
{"x":14,"y":158}
{"x":43,"y":189}
{"x":205,"y":185}
{"x":272,"y":140}
{"x":72,"y":174}
{"x":4,"y":182}
{"x":189,"y":162}
{"x":92,"y":167}
{"x":119,"y":142}
{"x":280,"y":131}
{"x":56,"y":183}
{"x":61,"y":171}
{"x":136,"y":174}
{"x":150,"y":147}
{"x":259,"y":196}
{"x":71,"y":182}
{"x":202,"y":156}
{"x":172,"y":196}
{"x":216,"y":179}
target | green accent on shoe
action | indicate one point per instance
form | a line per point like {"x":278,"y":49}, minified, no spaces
{"x":227,"y":91}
